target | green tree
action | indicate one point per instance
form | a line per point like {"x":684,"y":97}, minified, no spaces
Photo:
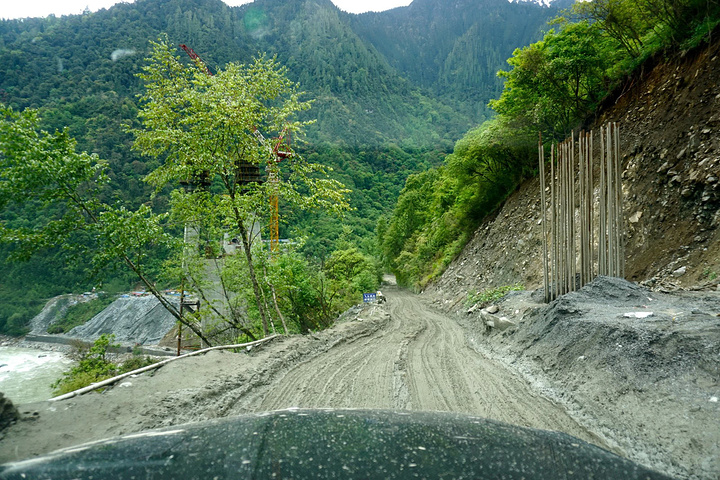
{"x":557,"y":82}
{"x":206,"y":131}
{"x":44,"y":171}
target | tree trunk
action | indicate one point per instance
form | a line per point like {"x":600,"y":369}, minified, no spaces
{"x":163,"y":301}
{"x":277,"y":308}
{"x":253,"y":277}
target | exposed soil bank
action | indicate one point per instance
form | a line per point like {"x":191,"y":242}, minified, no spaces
{"x":648,"y":386}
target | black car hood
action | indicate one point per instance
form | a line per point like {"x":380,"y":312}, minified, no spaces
{"x":342,"y":444}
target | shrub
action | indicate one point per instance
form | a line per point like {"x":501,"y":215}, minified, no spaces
{"x":491,"y":295}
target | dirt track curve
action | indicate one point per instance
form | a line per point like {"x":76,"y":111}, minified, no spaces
{"x":418,"y":360}
{"x":401,"y":356}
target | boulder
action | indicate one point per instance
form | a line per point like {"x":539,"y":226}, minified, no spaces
{"x":8,"y":413}
{"x":495,"y":323}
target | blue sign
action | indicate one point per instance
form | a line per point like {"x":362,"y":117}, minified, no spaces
{"x":369,"y":297}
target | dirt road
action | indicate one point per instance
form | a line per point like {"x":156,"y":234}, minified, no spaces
{"x":418,"y":360}
{"x":400,"y":355}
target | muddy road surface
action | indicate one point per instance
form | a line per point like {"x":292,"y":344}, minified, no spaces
{"x":417,"y":360}
{"x":402,"y":355}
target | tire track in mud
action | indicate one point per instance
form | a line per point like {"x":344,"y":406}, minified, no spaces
{"x":418,"y":360}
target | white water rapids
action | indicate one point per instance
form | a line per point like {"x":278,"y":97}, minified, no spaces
{"x":26,"y":374}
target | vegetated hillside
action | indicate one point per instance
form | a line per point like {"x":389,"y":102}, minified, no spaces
{"x":366,"y":94}
{"x":669,"y":117}
{"x":375,"y":124}
{"x":455,"y":49}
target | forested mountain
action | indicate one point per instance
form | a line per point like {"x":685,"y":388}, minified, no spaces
{"x":455,"y":49}
{"x":377,"y":75}
{"x":393,"y":91}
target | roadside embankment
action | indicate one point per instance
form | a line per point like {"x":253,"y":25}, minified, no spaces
{"x":638,"y":368}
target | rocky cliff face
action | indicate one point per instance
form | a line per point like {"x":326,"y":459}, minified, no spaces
{"x":669,"y":117}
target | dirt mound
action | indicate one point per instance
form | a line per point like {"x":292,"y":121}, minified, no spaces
{"x":132,"y":319}
{"x":53,"y":310}
{"x":637,"y":367}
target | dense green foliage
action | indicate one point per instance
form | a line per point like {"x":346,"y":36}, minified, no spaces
{"x":553,"y":86}
{"x":45,"y":174}
{"x":380,"y":114}
{"x":205,"y":130}
{"x":455,"y":49}
{"x":94,"y":366}
{"x":215,"y":128}
{"x":392,"y":92}
{"x":300,"y":295}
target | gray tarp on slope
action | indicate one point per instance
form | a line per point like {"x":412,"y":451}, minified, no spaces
{"x":132,"y":319}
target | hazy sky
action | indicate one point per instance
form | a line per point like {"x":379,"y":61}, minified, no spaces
{"x":42,"y":8}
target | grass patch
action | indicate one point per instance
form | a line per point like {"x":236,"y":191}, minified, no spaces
{"x":491,"y":295}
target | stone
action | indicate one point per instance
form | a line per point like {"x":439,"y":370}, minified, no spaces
{"x":8,"y":413}
{"x":493,"y":309}
{"x":679,"y":272}
{"x":694,"y":142}
{"x":503,"y":323}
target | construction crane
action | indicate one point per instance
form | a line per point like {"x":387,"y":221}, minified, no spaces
{"x":276,"y":156}
{"x":196,"y":58}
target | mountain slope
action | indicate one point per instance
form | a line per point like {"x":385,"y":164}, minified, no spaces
{"x":669,"y":131}
{"x":376,"y":123}
{"x":455,"y":48}
{"x":423,"y":72}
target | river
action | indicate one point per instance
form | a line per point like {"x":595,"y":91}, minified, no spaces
{"x":26,"y":374}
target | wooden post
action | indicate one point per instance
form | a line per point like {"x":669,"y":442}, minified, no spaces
{"x":582,"y":218}
{"x":573,"y":227}
{"x":602,"y":264}
{"x":541,"y":154}
{"x":592,"y":198}
{"x":611,"y":203}
{"x":561,"y":221}
{"x":569,"y":211}
{"x":571,"y":255}
{"x":620,"y":224}
{"x":553,"y":213}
